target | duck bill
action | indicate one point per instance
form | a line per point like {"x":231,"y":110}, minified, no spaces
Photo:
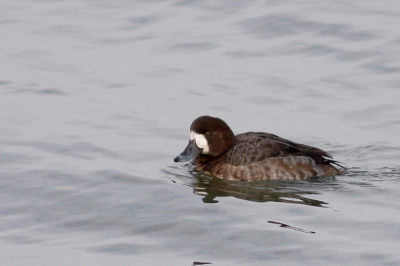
{"x":189,"y":153}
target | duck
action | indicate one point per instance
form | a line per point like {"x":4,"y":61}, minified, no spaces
{"x":214,"y":150}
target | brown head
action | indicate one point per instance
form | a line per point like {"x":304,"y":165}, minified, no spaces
{"x":208,"y":136}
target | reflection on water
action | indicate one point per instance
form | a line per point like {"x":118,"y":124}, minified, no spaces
{"x":212,"y":188}
{"x":277,"y":191}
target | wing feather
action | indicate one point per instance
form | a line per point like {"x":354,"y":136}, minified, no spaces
{"x":254,"y":147}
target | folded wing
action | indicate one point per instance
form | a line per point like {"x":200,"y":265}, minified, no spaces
{"x":254,"y":147}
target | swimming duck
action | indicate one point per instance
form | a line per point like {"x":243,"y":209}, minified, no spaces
{"x":214,"y":150}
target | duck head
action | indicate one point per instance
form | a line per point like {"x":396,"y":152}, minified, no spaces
{"x":209,"y":136}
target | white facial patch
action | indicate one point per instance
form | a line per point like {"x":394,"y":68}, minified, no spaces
{"x":200,"y":140}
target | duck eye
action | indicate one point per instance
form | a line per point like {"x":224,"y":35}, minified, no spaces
{"x":208,"y":133}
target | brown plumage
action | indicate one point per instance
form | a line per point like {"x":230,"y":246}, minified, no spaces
{"x":255,"y":155}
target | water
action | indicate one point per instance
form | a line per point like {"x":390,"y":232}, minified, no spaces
{"x":96,"y":99}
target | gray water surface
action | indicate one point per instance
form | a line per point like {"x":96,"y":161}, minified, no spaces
{"x":96,"y":99}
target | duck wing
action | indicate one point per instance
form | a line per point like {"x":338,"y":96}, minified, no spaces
{"x":254,"y":147}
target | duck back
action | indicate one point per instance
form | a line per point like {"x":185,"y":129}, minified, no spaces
{"x":264,"y":156}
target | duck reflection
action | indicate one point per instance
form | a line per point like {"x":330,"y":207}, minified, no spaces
{"x":277,"y":191}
